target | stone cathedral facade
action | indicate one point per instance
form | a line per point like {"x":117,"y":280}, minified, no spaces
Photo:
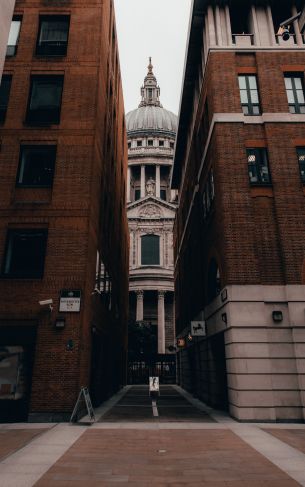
{"x":151,"y":207}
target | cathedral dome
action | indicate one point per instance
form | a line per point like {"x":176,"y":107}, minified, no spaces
{"x":151,"y":117}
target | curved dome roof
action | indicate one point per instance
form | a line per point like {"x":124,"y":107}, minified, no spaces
{"x":151,"y":117}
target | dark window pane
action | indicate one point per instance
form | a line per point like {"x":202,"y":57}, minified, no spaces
{"x":301,"y":157}
{"x":137,"y":194}
{"x":5,"y":89}
{"x":150,"y":250}
{"x":25,"y":253}
{"x":258,"y":166}
{"x":45,"y":99}
{"x":163,"y":194}
{"x":53,"y":35}
{"x":36,"y":167}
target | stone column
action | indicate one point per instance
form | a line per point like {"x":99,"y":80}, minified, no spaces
{"x":271,"y":27}
{"x":298,"y":34}
{"x":257,"y":40}
{"x":218,"y":26}
{"x":212,"y":33}
{"x":161,"y":322}
{"x":140,"y":307}
{"x":128,"y":185}
{"x":228,"y":25}
{"x":142,"y":181}
{"x":158,"y":182}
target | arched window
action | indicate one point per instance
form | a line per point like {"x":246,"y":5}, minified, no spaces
{"x":150,"y":250}
{"x":214,"y":285}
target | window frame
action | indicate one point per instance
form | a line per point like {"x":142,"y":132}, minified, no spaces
{"x":297,"y":105}
{"x":11,"y":232}
{"x":250,"y":105}
{"x":42,"y":51}
{"x":261,"y":151}
{"x":52,"y":148}
{"x":38,"y":117}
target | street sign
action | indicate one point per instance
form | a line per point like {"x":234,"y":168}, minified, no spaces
{"x":154,"y":387}
{"x":70,"y":300}
{"x":198,"y":329}
{"x":302,"y":21}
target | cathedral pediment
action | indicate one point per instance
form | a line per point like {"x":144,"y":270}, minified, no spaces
{"x":151,"y":207}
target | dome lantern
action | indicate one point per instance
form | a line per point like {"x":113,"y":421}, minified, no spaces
{"x":150,"y":91}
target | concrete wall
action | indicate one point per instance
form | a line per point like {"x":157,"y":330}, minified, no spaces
{"x":6,"y":14}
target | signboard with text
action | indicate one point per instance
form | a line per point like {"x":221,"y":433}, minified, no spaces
{"x":70,"y":300}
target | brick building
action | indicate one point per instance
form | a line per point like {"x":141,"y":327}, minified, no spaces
{"x":63,"y":225}
{"x":239,"y":232}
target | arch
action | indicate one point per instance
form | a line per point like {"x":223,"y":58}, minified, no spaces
{"x":150,"y":249}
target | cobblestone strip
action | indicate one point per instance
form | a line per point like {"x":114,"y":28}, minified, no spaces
{"x":288,"y":459}
{"x":25,"y":467}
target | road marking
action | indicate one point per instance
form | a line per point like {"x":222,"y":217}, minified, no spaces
{"x":154,"y":408}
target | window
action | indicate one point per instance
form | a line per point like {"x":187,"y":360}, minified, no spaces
{"x":137,"y":194}
{"x":249,"y":94}
{"x":161,"y":143}
{"x":139,"y":143}
{"x":53,"y":35}
{"x":129,"y":145}
{"x":45,"y":100}
{"x":25,"y":253}
{"x":258,"y":166}
{"x":13,"y":37}
{"x":163,"y":194}
{"x":150,"y":143}
{"x":172,"y":145}
{"x":36,"y":166}
{"x":301,"y":157}
{"x":150,"y":250}
{"x":5,"y":89}
{"x":295,"y":92}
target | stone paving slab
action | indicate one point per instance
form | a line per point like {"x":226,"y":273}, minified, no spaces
{"x":216,"y":458}
{"x":293,"y":437}
{"x":12,"y":440}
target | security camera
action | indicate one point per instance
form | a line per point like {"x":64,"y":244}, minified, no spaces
{"x":46,"y":302}
{"x":285,"y":35}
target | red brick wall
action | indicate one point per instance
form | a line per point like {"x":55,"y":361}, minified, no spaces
{"x":257,"y":233}
{"x":91,"y":164}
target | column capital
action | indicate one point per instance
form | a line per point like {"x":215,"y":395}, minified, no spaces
{"x":161,"y":294}
{"x":140,"y":293}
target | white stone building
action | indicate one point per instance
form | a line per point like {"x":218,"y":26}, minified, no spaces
{"x":151,"y":206}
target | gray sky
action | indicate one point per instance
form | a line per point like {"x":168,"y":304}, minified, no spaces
{"x":158,"y":29}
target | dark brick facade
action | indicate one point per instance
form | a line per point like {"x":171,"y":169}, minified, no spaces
{"x":84,"y":211}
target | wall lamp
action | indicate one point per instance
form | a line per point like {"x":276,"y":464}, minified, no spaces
{"x":277,"y":316}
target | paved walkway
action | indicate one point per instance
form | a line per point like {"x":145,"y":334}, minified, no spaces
{"x":177,"y":442}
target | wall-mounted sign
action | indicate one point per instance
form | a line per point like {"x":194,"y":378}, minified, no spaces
{"x":70,"y":300}
{"x":198,"y":329}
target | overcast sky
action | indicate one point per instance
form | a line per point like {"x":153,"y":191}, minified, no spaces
{"x":158,"y":29}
